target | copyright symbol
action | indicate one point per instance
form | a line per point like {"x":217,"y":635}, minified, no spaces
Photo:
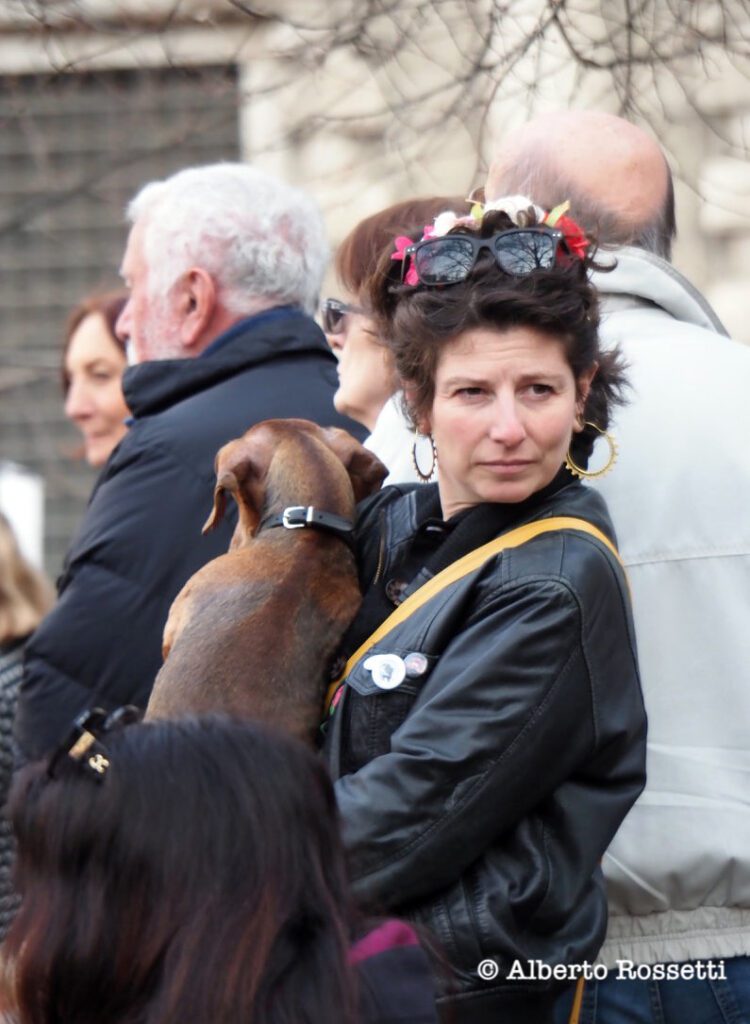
{"x":487,"y":970}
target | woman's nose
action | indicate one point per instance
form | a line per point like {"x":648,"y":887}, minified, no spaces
{"x":507,"y":426}
{"x":78,"y":403}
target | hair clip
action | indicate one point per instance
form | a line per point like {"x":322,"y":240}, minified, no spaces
{"x":83,"y":744}
{"x":476,"y":196}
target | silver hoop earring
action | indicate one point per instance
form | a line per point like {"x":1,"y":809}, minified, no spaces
{"x":424,"y":477}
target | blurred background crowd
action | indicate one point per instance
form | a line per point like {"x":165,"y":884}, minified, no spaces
{"x":361,"y":103}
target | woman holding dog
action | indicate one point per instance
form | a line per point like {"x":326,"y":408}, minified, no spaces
{"x":489,"y":735}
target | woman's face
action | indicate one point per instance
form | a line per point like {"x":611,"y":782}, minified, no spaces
{"x":506,"y":405}
{"x":366,"y":374}
{"x":94,"y":363}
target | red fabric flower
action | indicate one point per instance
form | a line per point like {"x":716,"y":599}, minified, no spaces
{"x":575,"y":236}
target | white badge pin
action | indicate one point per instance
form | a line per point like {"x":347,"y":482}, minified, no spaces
{"x":387,"y":670}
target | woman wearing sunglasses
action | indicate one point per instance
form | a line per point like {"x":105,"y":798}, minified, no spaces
{"x":367,"y":377}
{"x":487,"y":735}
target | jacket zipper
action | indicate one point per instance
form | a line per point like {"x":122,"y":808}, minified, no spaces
{"x":381,"y":550}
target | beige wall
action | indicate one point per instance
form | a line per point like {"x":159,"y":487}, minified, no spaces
{"x":330,"y":124}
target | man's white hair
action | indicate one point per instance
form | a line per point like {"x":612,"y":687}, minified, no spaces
{"x":262,"y":241}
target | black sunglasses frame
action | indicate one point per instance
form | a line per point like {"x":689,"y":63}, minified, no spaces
{"x":477,"y":244}
{"x":332,"y":313}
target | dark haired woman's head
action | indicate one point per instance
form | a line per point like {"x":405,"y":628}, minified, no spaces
{"x":366,"y":374}
{"x":200,"y":877}
{"x":493,"y":324}
{"x":93,"y":362}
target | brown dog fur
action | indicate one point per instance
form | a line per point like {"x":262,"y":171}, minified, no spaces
{"x":254,"y":630}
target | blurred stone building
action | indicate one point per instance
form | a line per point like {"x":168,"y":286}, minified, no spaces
{"x":362,"y":101}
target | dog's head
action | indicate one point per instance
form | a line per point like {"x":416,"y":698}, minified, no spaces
{"x":294,"y":446}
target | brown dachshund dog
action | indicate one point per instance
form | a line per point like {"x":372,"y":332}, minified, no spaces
{"x":253,"y":632}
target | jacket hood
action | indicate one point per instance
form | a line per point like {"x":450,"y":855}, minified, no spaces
{"x":640,"y":276}
{"x":154,"y":386}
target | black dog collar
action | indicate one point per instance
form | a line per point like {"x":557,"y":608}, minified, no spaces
{"x":297,"y":517}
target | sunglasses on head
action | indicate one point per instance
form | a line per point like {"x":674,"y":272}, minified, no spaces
{"x":451,"y":258}
{"x":332,"y":313}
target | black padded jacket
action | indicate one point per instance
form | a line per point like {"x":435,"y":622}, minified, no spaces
{"x":481,"y":794}
{"x":140,"y":539}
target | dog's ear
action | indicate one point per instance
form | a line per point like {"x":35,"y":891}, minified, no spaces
{"x":225,"y":481}
{"x":217,"y":514}
{"x":365,"y":469}
{"x":241,"y":467}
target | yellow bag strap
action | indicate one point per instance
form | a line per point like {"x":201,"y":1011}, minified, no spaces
{"x":575,"y":1010}
{"x":462,"y":567}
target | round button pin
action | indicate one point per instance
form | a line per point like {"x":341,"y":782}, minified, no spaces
{"x":415,"y":664}
{"x":388,"y":670}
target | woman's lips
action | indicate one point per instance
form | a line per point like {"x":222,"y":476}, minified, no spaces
{"x":508,"y":465}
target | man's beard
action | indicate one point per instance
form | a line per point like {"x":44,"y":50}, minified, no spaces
{"x":160,"y":332}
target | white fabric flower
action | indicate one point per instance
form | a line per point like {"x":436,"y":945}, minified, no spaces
{"x":444,"y":222}
{"x":513,"y":205}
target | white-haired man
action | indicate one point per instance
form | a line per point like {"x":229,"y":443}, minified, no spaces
{"x":224,"y":265}
{"x":678,"y":871}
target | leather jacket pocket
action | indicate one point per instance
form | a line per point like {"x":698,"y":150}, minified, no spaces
{"x":382,"y":689}
{"x":450,"y":918}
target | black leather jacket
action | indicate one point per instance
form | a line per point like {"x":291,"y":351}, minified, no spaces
{"x":480,"y":796}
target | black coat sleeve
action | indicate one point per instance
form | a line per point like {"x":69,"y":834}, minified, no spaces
{"x":101,"y":645}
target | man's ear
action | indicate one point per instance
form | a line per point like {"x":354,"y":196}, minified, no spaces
{"x":195,"y":298}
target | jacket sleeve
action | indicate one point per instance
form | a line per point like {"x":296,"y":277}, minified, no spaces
{"x":139,"y":541}
{"x":507,"y":714}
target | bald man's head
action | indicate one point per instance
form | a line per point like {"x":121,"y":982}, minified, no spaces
{"x":614,"y":174}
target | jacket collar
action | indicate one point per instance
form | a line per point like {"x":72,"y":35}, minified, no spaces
{"x":155,"y":386}
{"x":420,"y":507}
{"x":641,"y":278}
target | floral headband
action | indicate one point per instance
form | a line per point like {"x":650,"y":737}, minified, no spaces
{"x":522,"y":212}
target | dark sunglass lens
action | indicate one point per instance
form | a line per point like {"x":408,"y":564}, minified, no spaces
{"x":521,"y":252}
{"x":333,"y":317}
{"x":444,"y":260}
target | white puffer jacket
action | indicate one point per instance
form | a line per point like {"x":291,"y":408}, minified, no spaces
{"x":679,"y":868}
{"x":391,"y":440}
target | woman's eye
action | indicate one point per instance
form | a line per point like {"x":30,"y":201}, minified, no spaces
{"x":469,"y":392}
{"x":538,"y":390}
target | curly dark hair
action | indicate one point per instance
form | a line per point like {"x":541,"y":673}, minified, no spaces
{"x":418,"y":322}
